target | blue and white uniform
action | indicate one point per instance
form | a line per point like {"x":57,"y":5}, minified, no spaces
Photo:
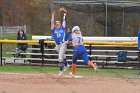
{"x":59,"y":37}
{"x":79,"y":49}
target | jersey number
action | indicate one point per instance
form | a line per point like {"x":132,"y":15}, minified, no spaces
{"x":58,"y":35}
{"x":79,"y":38}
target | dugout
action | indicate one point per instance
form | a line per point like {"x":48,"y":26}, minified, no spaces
{"x":102,"y":17}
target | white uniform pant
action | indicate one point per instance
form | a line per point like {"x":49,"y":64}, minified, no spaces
{"x":61,"y":49}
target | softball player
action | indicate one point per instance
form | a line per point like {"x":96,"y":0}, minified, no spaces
{"x":79,"y":50}
{"x":58,"y":32}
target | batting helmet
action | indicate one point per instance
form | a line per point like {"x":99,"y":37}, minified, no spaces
{"x":75,"y":28}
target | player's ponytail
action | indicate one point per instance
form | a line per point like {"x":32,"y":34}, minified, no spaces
{"x":80,"y":32}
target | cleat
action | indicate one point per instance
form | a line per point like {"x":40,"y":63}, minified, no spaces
{"x":66,"y":67}
{"x":60,"y":73}
{"x":72,"y":75}
{"x":95,"y":67}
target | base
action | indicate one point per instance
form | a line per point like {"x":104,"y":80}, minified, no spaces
{"x":76,"y":76}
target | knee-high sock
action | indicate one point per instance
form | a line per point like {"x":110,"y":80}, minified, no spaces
{"x":61,"y":65}
{"x":90,"y":64}
{"x":65,"y":61}
{"x":73,"y":68}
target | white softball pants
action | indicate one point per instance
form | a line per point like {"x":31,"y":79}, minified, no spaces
{"x":61,"y":49}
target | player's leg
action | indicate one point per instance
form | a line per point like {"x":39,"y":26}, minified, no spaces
{"x":61,"y":64}
{"x":61,"y":56}
{"x":57,"y":47}
{"x":86,"y":59}
{"x":88,"y":62}
{"x":65,"y":61}
{"x":74,"y":61}
{"x":66,"y":65}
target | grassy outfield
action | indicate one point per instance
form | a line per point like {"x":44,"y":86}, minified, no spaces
{"x":13,"y":36}
{"x":80,"y":71}
{"x":10,"y":36}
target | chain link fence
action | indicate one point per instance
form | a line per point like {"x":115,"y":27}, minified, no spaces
{"x":9,"y":51}
{"x":13,"y":29}
{"x":102,"y":17}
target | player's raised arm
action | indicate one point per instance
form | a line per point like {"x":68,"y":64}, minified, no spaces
{"x":52,"y":20}
{"x":64,"y":11}
{"x":64,"y":20}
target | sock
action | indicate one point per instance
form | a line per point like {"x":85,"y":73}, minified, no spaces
{"x":73,"y":68}
{"x":65,"y":62}
{"x":90,"y":64}
{"x":61,"y":66}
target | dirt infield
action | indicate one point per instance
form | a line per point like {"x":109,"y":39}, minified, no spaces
{"x":49,"y":83}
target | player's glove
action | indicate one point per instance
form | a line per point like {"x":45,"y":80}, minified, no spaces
{"x":63,"y":10}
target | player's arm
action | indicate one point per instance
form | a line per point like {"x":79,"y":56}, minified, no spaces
{"x":52,"y":20}
{"x":64,"y":20}
{"x":69,"y":39}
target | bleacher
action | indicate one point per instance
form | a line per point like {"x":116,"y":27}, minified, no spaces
{"x":103,"y":55}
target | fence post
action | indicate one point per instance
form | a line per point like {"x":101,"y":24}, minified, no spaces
{"x":139,"y":51}
{"x":1,"y":52}
{"x":139,"y":61}
{"x":1,"y":30}
{"x":41,"y":42}
{"x":25,"y":28}
{"x":90,"y":52}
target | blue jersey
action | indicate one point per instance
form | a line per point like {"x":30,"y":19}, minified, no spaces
{"x":59,"y":35}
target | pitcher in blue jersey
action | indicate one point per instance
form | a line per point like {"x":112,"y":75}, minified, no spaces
{"x":58,"y":32}
{"x":79,"y":49}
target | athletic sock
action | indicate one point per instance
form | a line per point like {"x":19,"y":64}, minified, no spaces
{"x":90,"y":64}
{"x":61,"y":66}
{"x":73,"y":68}
{"x":65,"y":62}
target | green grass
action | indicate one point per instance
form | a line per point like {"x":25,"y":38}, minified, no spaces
{"x":13,"y":36}
{"x":108,"y":72}
{"x":122,"y":73}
